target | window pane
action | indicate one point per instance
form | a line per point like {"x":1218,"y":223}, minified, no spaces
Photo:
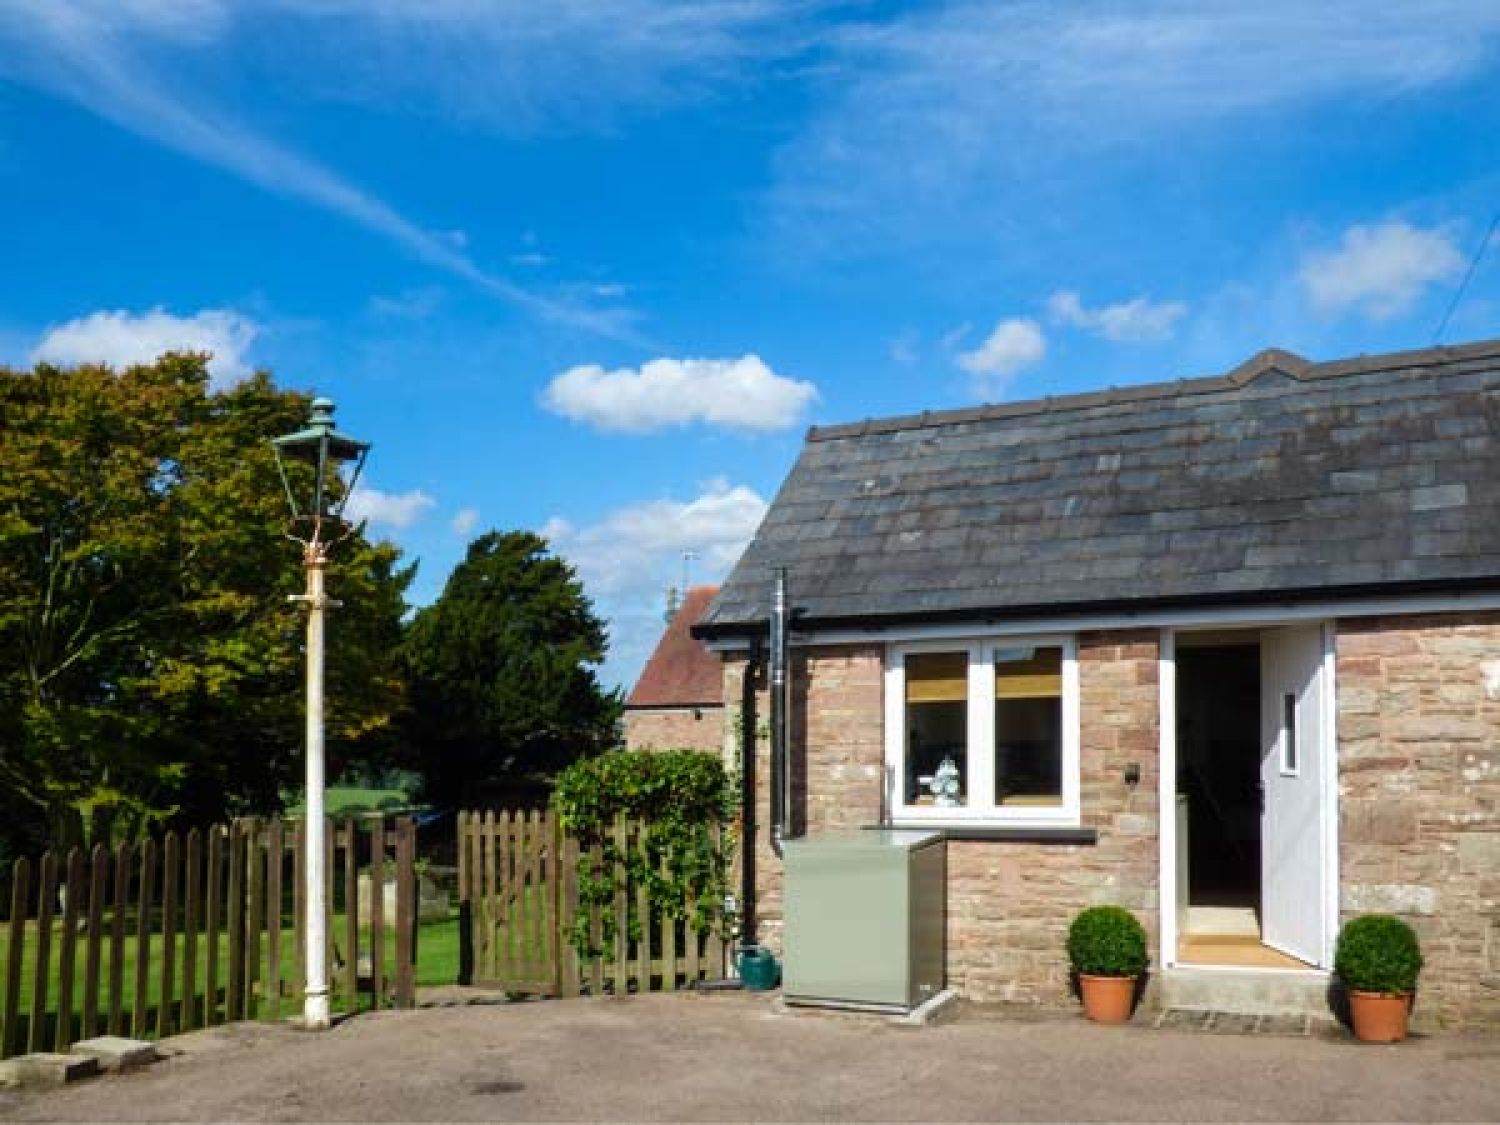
{"x":937,"y":729}
{"x":1028,"y":727}
{"x":1289,"y":733}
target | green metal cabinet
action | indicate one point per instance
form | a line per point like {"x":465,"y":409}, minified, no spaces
{"x":866,"y":919}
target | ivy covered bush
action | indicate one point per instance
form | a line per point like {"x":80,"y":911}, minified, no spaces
{"x":677,"y":808}
{"x":1378,"y":953}
{"x":1107,"y":941}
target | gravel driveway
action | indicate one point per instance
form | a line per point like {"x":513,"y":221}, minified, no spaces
{"x":731,"y":1056}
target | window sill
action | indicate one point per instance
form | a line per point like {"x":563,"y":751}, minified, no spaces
{"x":1001,"y":834}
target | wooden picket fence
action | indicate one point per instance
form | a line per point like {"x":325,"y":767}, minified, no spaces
{"x":156,"y":938}
{"x":518,"y":901}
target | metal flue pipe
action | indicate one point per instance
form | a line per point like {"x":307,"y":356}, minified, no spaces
{"x":781,"y":699}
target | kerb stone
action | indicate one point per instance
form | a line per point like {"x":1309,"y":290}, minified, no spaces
{"x":45,"y":1069}
{"x":117,"y":1053}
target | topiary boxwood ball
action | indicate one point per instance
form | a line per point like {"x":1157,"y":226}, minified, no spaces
{"x":1107,"y":941}
{"x":1378,"y":953}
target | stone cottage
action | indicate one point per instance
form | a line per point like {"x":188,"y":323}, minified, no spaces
{"x":1225,"y":651}
{"x":678,"y":703}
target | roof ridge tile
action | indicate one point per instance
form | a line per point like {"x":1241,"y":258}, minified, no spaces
{"x":1296,"y":367}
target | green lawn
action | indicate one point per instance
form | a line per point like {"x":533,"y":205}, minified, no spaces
{"x":437,"y":963}
{"x":348,"y":800}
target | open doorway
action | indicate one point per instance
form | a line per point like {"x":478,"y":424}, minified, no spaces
{"x":1247,"y":871}
{"x":1218,"y":769}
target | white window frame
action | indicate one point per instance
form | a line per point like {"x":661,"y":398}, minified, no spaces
{"x":1288,"y":739}
{"x":979,"y":774}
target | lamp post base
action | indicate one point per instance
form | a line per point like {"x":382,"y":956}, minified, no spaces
{"x":315,"y":1016}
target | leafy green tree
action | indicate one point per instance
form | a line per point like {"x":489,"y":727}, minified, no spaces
{"x":150,"y":665}
{"x":501,"y":671}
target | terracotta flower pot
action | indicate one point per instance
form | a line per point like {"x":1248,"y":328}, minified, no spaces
{"x":1107,"y":999}
{"x":1379,"y":1017}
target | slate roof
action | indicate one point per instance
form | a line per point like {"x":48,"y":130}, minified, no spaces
{"x":682,"y":672}
{"x":1379,"y":474}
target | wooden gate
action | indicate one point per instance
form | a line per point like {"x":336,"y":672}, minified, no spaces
{"x":519,"y":901}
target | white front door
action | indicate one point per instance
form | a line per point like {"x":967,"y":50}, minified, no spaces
{"x":1294,"y":741}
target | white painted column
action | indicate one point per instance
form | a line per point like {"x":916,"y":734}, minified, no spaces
{"x":315,"y":1012}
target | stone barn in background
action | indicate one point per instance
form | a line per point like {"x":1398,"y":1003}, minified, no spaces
{"x":678,"y":702}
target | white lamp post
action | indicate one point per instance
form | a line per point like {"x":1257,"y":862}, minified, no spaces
{"x":317,"y":525}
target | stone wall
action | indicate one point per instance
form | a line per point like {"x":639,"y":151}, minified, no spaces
{"x":1419,"y":793}
{"x":1009,"y":904}
{"x":675,"y":728}
{"x":1418,"y":703}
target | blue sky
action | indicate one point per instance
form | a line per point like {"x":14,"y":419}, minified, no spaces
{"x":592,"y":266}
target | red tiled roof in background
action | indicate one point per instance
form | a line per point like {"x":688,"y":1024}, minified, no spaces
{"x":682,"y":672}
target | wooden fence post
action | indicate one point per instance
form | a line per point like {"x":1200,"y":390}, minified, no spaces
{"x":171,"y":874}
{"x":668,"y":937}
{"x":406,"y":913}
{"x":192,"y":877}
{"x":141,"y":995}
{"x":643,"y":911}
{"x":234,"y":968}
{"x":542,"y":919}
{"x":67,"y":948}
{"x":691,"y":939}
{"x":465,"y":898}
{"x":376,"y":823}
{"x":214,"y":917}
{"x":566,"y":851}
{"x":350,"y":838}
{"x":255,"y":913}
{"x":98,"y":888}
{"x":490,"y":905}
{"x":41,"y":978}
{"x":596,"y":925}
{"x":20,"y":906}
{"x":621,"y":909}
{"x":275,"y":857}
{"x":716,"y":963}
{"x":299,"y":900}
{"x":119,"y":906}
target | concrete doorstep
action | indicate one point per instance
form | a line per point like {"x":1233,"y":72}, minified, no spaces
{"x":47,"y":1069}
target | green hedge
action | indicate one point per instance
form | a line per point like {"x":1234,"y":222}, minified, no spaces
{"x":1107,"y":941}
{"x":1378,"y":953}
{"x":685,"y":800}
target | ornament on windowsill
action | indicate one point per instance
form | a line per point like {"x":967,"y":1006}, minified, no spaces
{"x":944,"y":784}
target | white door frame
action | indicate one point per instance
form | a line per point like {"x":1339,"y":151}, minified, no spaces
{"x":1167,"y":800}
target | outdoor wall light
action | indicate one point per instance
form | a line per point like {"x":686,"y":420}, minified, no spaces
{"x":1133,"y":774}
{"x":317,"y":524}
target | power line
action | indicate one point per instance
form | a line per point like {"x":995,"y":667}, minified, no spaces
{"x":1463,"y":286}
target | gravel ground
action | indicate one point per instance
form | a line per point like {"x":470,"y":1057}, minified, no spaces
{"x":734,"y":1057}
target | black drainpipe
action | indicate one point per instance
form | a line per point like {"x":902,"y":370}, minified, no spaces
{"x":749,"y":720}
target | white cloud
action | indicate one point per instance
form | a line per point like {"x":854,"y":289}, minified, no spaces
{"x":741,"y":394}
{"x":465,"y":520}
{"x":630,"y":556}
{"x":121,"y":338}
{"x":1380,"y":271}
{"x":1015,"y":344}
{"x":1128,"y":322}
{"x":397,"y":510}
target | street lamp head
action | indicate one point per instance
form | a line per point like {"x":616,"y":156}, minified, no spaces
{"x":326,"y":450}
